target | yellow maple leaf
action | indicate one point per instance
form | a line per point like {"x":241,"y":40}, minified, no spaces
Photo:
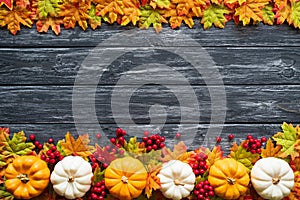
{"x":214,"y":155}
{"x":251,"y":10}
{"x":295,"y":192}
{"x":270,"y":150}
{"x":109,"y":9}
{"x":153,"y":181}
{"x":131,"y":12}
{"x":79,"y":147}
{"x":179,"y":149}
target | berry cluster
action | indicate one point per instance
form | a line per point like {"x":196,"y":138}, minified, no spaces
{"x":253,"y":145}
{"x":52,"y":156}
{"x":37,"y":144}
{"x":98,"y":191}
{"x":101,"y":156}
{"x":199,"y":165}
{"x":203,"y":191}
{"x":154,"y":142}
{"x":119,"y":139}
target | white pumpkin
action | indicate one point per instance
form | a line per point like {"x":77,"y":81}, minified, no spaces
{"x":177,"y":179}
{"x":272,"y":178}
{"x":72,"y":177}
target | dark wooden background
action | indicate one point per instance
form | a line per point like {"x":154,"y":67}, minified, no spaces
{"x":258,"y":64}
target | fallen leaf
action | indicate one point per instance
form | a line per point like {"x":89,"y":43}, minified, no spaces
{"x":270,"y":150}
{"x":268,"y":15}
{"x":153,"y":181}
{"x":214,"y":155}
{"x":215,"y":15}
{"x":43,"y":25}
{"x":287,"y":139}
{"x":7,"y":3}
{"x":94,"y":21}
{"x":150,"y":16}
{"x":79,"y":147}
{"x":178,"y":150}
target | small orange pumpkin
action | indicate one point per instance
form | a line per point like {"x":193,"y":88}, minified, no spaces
{"x":27,"y":177}
{"x":125,"y":178}
{"x":229,"y":178}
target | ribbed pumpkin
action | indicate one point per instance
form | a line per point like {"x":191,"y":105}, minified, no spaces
{"x":27,"y":177}
{"x":229,"y":178}
{"x":125,"y":178}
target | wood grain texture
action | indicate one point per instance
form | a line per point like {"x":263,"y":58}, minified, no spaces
{"x":59,"y":66}
{"x":232,"y":35}
{"x":53,"y":104}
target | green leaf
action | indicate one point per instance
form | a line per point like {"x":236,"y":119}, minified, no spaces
{"x":160,"y":3}
{"x":4,"y":194}
{"x":294,"y":17}
{"x":268,"y":15}
{"x":17,"y":146}
{"x":47,"y":8}
{"x":94,"y":20}
{"x":240,"y":154}
{"x":152,"y":17}
{"x":98,"y":175}
{"x":2,"y":161}
{"x":214,"y":14}
{"x":287,"y":139}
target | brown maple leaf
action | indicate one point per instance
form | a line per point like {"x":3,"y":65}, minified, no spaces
{"x":178,"y":150}
{"x":79,"y":147}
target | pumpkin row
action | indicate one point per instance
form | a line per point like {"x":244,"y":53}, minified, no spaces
{"x":126,"y":178}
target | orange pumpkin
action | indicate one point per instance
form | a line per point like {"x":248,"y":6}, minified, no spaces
{"x":229,"y":178}
{"x":125,"y":178}
{"x":27,"y":177}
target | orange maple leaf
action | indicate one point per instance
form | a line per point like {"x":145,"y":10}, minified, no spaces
{"x":214,"y":155}
{"x":13,"y":18}
{"x":153,"y":181}
{"x":109,"y":9}
{"x":251,"y":10}
{"x":79,"y":147}
{"x":43,"y":25}
{"x":8,"y":3}
{"x":270,"y":150}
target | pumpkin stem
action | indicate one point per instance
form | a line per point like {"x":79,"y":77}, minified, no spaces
{"x":177,"y":182}
{"x":124,"y":179}
{"x":71,"y":179}
{"x":276,"y":180}
{"x":231,"y":181}
{"x":23,"y":177}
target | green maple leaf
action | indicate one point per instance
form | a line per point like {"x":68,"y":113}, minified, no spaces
{"x":4,"y":194}
{"x":98,"y":175}
{"x":17,"y":146}
{"x":240,"y":154}
{"x":214,"y":14}
{"x":268,"y":15}
{"x":294,"y":17}
{"x":2,"y":161}
{"x":47,"y":8}
{"x":287,"y":139}
{"x":152,"y":17}
{"x":94,"y":20}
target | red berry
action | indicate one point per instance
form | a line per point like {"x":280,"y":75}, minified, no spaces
{"x":119,"y":131}
{"x":60,"y":158}
{"x":40,"y":146}
{"x":258,"y":150}
{"x":145,"y":139}
{"x":113,"y":150}
{"x":196,"y":192}
{"x":93,"y":160}
{"x":253,"y":151}
{"x":162,"y":139}
{"x":52,"y":161}
{"x":98,"y":184}
{"x":251,"y":141}
{"x":230,"y":136}
{"x":211,"y":193}
{"x":98,"y":135}
{"x":263,"y":139}
{"x":49,"y":152}
{"x":118,"y":145}
{"x":43,"y":157}
{"x":201,"y":171}
{"x":146,"y":134}
{"x":53,"y":148}
{"x":149,"y":148}
{"x":57,"y":153}
{"x":154,"y":147}
{"x":121,"y":152}
{"x":196,"y":172}
{"x":245,"y":145}
{"x":123,"y":132}
{"x":121,"y":140}
{"x":253,"y":146}
{"x":32,"y":137}
{"x":249,"y":137}
{"x":178,"y":136}
{"x":201,"y":164}
{"x":107,"y":147}
{"x":94,"y":196}
{"x":258,"y":144}
{"x":50,"y":140}
{"x":218,"y":139}
{"x":100,"y":198}
{"x":162,"y":145}
{"x":113,"y":140}
{"x":47,"y":159}
{"x":52,"y":155}
{"x":157,"y":141}
{"x":149,"y":142}
{"x":105,"y":165}
{"x":36,"y":143}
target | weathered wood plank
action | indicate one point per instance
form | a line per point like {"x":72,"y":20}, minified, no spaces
{"x":59,"y":66}
{"x":57,"y":131}
{"x":245,"y":104}
{"x":232,"y":35}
